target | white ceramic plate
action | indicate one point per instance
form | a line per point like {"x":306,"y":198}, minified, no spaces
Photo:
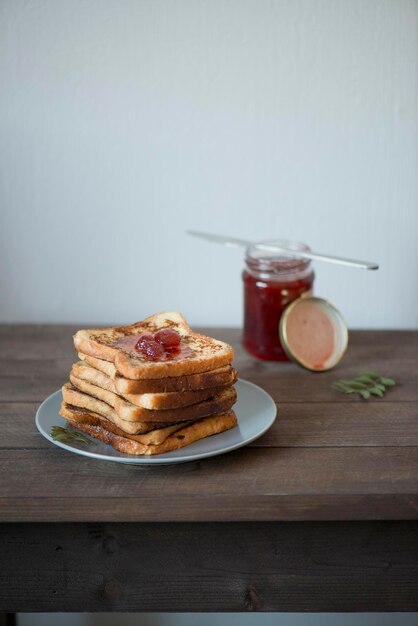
{"x":255,"y":410}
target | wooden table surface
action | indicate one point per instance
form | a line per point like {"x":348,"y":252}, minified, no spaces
{"x":318,"y":514}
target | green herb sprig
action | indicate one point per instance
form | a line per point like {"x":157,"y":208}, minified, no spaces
{"x":366,"y":384}
{"x":63,"y":434}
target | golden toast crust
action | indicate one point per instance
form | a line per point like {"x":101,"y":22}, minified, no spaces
{"x":219,"y":377}
{"x":83,"y":401}
{"x":204,"y":353}
{"x":225,"y":375}
{"x":128,"y":412}
{"x":153,"y":401}
{"x":185,"y":436}
{"x":106,"y":367}
{"x":83,"y":416}
{"x":86,"y":372}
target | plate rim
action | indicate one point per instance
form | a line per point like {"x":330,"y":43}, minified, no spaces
{"x":159,"y":459}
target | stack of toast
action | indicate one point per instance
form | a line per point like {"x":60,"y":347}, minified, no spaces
{"x":151,"y":387}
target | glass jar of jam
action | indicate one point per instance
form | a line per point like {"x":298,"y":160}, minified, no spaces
{"x":271,"y":281}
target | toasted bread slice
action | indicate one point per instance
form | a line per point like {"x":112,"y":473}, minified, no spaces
{"x":117,"y":344}
{"x":83,"y":416}
{"x":106,"y":367}
{"x":86,"y":372}
{"x":185,"y":436}
{"x":152,"y":401}
{"x":72,"y":396}
{"x":219,"y":377}
{"x":223,"y":400}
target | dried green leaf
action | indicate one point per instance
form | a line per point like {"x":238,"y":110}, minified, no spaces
{"x":58,"y":433}
{"x":366,"y":384}
{"x":365,"y":379}
{"x":357,"y":386}
{"x":343,"y":388}
{"x":372,"y":375}
{"x":388,"y":382}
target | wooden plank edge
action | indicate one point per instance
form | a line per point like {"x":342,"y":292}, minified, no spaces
{"x":215,"y":509}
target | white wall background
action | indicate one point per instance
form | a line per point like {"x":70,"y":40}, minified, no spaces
{"x":124,"y":122}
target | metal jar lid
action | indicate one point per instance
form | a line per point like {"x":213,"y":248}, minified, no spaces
{"x":313,"y":333}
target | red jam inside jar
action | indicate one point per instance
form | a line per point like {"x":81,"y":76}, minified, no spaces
{"x":271,"y":281}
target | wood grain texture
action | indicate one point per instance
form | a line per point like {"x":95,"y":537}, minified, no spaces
{"x":328,"y":456}
{"x":394,"y":355}
{"x":321,"y":424}
{"x":329,"y":424}
{"x":210,"y":567}
{"x":35,"y":360}
{"x":248,"y":484}
{"x":32,"y":380}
